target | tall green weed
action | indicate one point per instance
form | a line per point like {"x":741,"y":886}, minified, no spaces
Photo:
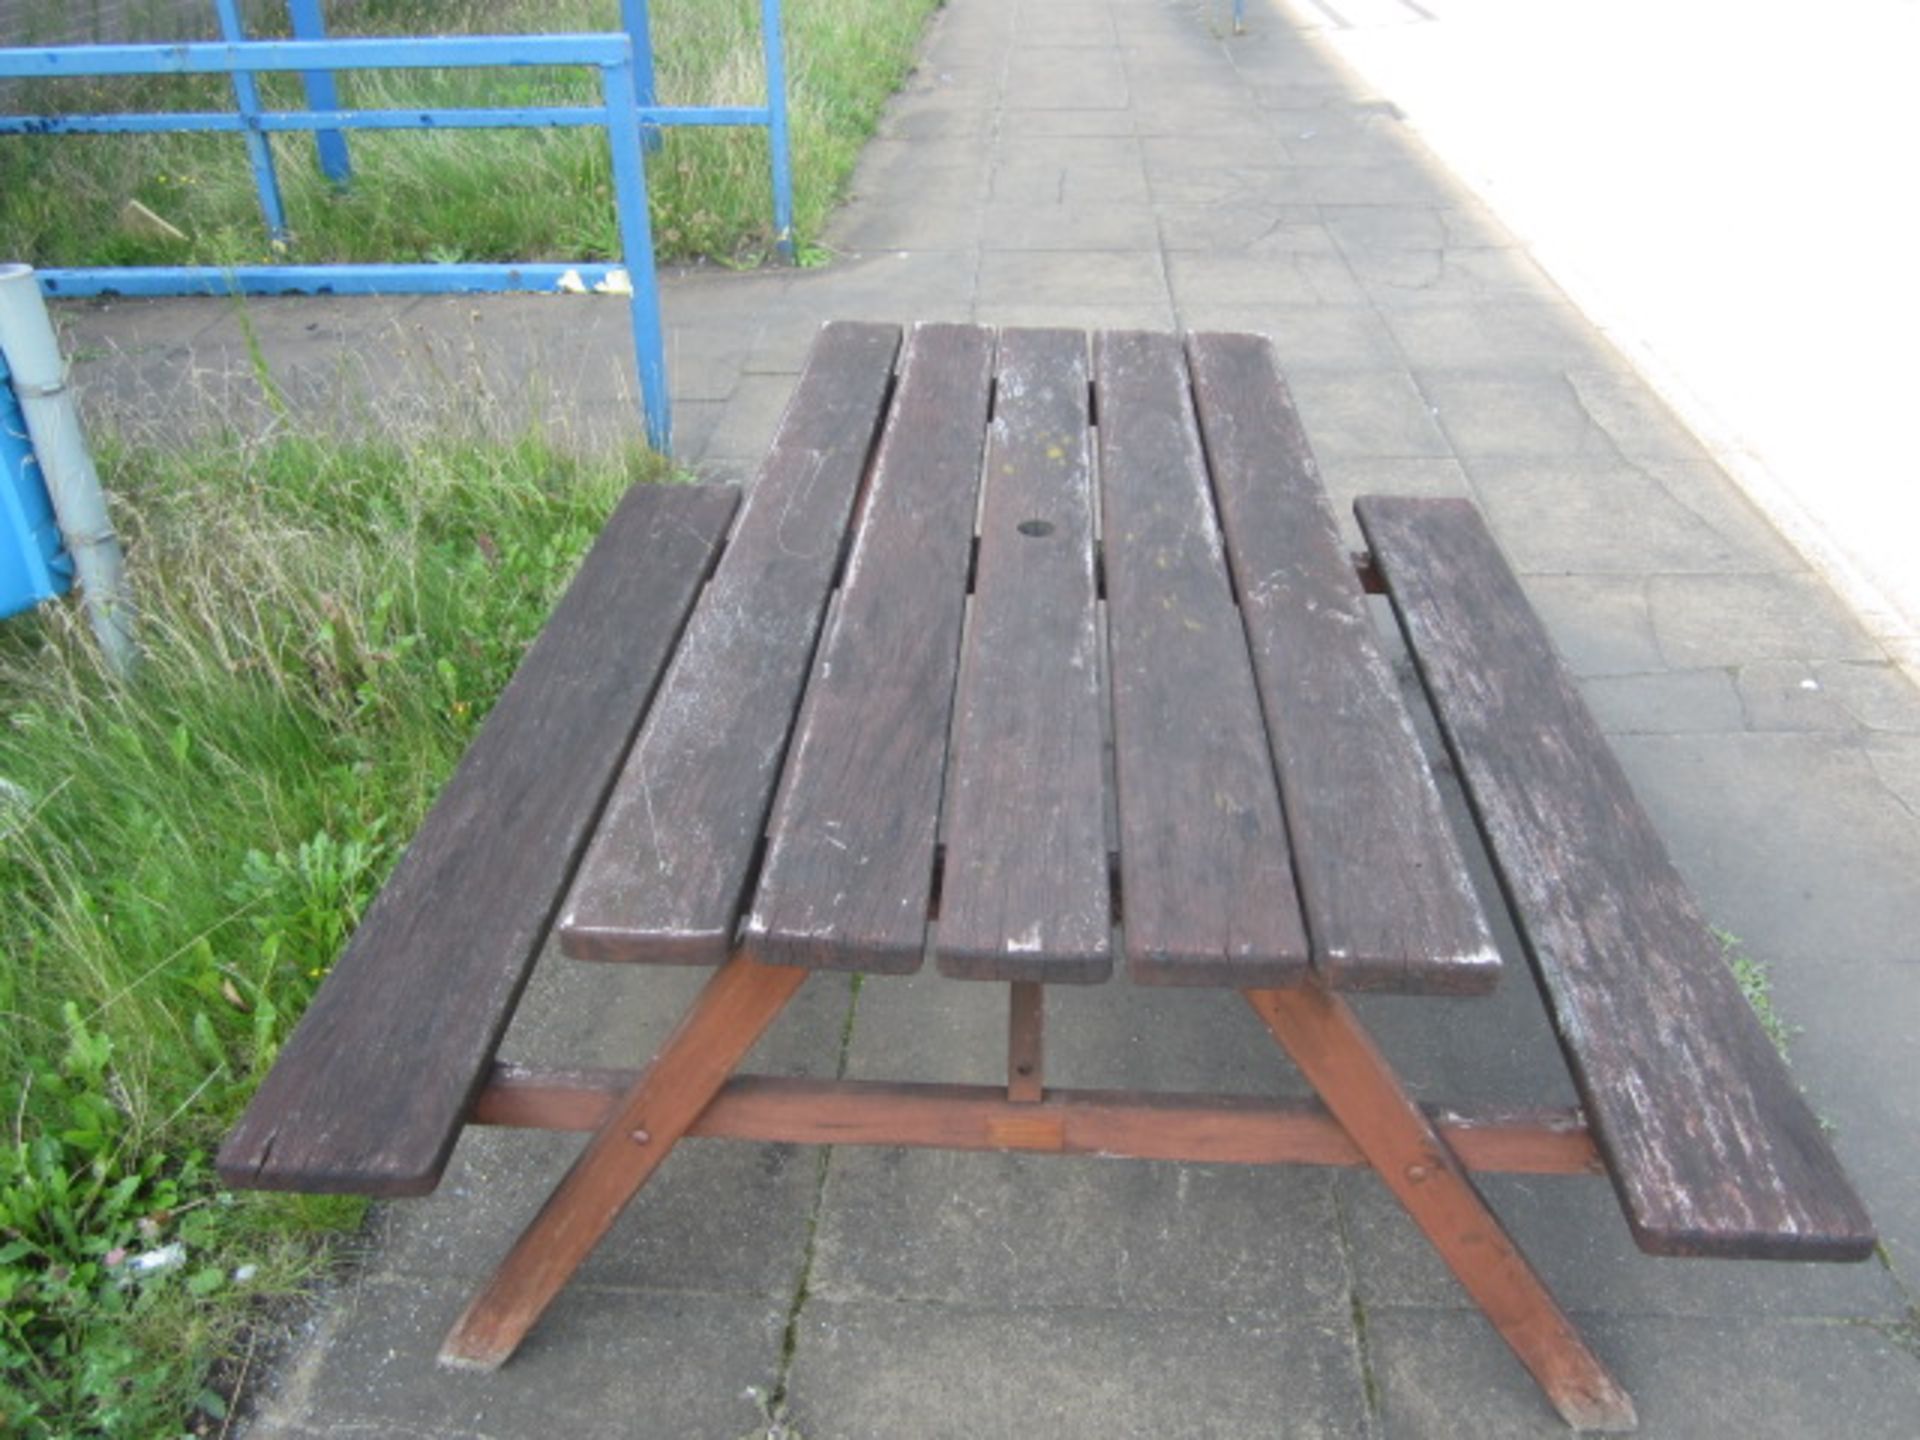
{"x":324,"y":626}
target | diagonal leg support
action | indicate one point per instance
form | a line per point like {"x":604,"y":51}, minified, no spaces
{"x":731,"y":1013}
{"x":1357,"y":1084}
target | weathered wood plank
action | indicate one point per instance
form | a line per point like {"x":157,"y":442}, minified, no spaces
{"x":1025,"y":893}
{"x":664,"y":879}
{"x":371,"y":1090}
{"x":1710,"y":1145}
{"x":1206,"y":878}
{"x":1389,"y":904}
{"x":849,"y":864}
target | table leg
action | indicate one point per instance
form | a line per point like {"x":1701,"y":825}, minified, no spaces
{"x":736,"y":1006}
{"x":1026,"y":1032}
{"x":1357,"y":1084}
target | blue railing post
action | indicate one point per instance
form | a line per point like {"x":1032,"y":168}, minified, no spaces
{"x":34,"y":565}
{"x":782,"y":163}
{"x":330,"y":146}
{"x":246,"y":96}
{"x":639,"y":27}
{"x":636,"y":245}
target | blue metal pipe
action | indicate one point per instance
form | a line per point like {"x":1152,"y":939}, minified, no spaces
{"x":246,"y":97}
{"x":34,"y":565}
{"x":636,"y":247}
{"x":781,"y":161}
{"x":472,"y":52}
{"x":639,"y":27}
{"x":475,"y":118}
{"x":154,"y":280}
{"x":329,"y":146}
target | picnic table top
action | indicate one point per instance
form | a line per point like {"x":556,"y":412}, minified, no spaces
{"x":1029,"y":648}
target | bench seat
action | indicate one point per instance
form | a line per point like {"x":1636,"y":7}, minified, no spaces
{"x":371,"y":1090}
{"x":1710,"y":1145}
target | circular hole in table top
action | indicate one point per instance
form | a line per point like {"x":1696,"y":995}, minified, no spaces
{"x":1035,"y":528}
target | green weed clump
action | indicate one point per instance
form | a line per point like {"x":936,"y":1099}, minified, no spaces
{"x":471,"y":195}
{"x":324,"y":627}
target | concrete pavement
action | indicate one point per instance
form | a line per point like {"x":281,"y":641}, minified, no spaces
{"x":1127,"y":162}
{"x":1748,"y":253}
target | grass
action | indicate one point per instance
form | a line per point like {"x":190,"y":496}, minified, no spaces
{"x":472,"y":195}
{"x":1756,"y":984}
{"x":324,"y":627}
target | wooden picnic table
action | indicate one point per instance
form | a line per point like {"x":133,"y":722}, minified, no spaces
{"x":1028,"y":652}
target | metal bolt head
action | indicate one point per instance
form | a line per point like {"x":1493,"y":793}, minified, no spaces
{"x":641,"y":1137}
{"x":1417,"y":1173}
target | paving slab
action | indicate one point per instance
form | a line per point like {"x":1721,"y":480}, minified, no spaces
{"x":606,"y":1361}
{"x":1667,"y":702}
{"x":1022,"y":1232}
{"x":1724,"y":1379}
{"x":1091,"y":279}
{"x":1075,"y":227}
{"x":1257,"y":279}
{"x":1402,"y":227}
{"x":1874,"y":1114}
{"x":1377,"y":413}
{"x":1735,"y":619}
{"x":1790,"y":842}
{"x":879,"y":1371}
{"x":1403,"y":278}
{"x":1570,"y":1226}
{"x":1526,"y":336}
{"x":1599,"y":515}
{"x":1600,"y":624}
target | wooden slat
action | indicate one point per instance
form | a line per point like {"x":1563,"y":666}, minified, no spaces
{"x":664,"y":879}
{"x":1389,"y":904}
{"x":1025,"y":892}
{"x":1711,"y":1147}
{"x":371,"y":1090}
{"x":1206,"y":879}
{"x":1200,"y":1129}
{"x":850,"y":849}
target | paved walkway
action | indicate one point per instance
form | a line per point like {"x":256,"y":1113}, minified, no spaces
{"x":1124,"y":162}
{"x":1752,"y":256}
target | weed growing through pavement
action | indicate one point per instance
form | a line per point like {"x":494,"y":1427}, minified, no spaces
{"x":470,"y":194}
{"x":1757,"y":985}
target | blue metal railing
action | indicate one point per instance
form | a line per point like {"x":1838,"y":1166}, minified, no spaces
{"x":628,"y":113}
{"x":34,"y":565}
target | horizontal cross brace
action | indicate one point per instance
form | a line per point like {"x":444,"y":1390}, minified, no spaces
{"x":386,"y":53}
{"x":1200,"y":1129}
{"x":534,"y":277}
